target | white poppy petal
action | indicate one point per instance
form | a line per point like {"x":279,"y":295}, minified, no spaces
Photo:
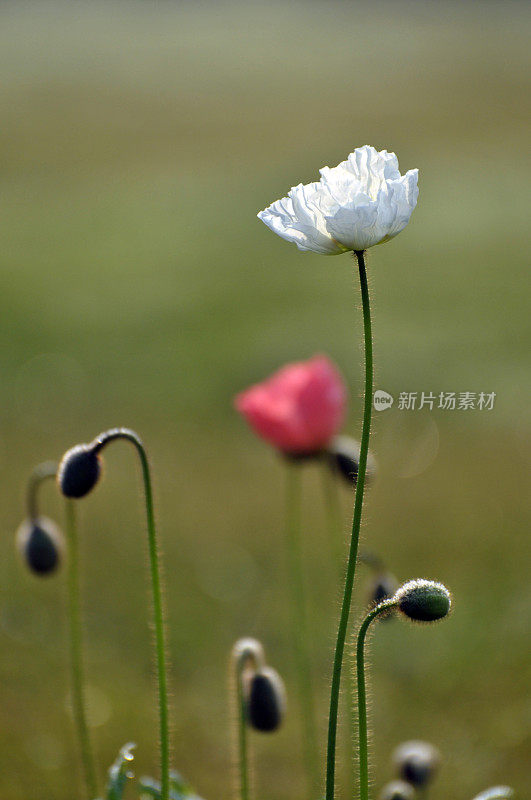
{"x":360,"y":203}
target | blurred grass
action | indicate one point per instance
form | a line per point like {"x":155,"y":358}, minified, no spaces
{"x":137,"y":142}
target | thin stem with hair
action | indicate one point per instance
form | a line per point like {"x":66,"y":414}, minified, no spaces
{"x":41,"y":473}
{"x":332,"y":502}
{"x":243,"y":763}
{"x":363,"y":760}
{"x":156,"y":586}
{"x":299,"y":625}
{"x":76,"y":653}
{"x":356,"y":522}
{"x":247,"y":653}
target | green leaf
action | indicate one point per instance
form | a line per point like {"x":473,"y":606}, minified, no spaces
{"x":119,"y":773}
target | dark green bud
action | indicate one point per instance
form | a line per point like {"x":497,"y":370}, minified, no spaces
{"x":265,"y":700}
{"x":40,"y":543}
{"x":79,"y":471}
{"x":417,"y":762}
{"x":397,"y":790}
{"x":423,"y":601}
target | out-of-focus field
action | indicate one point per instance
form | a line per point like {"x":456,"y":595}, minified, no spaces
{"x":137,"y":143}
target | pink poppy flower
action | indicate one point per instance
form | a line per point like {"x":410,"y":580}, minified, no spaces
{"x":299,"y":409}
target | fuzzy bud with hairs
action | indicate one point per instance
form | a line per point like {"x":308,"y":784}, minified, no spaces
{"x":423,"y":601}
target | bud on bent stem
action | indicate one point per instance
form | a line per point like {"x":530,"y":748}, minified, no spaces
{"x":420,"y":600}
{"x":79,"y":472}
{"x":260,"y":695}
{"x":41,"y":542}
{"x":417,"y":762}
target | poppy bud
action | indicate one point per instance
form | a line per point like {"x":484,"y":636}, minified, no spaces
{"x":266,"y":700}
{"x":417,"y":762}
{"x":344,"y":458}
{"x":423,"y":601}
{"x":40,"y":544}
{"x":79,"y":471}
{"x":397,"y":790}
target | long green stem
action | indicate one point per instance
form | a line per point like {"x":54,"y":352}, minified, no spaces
{"x":158,"y":616}
{"x":299,"y":624}
{"x":243,"y":765}
{"x":356,"y":521}
{"x":243,"y":756}
{"x":76,"y":653}
{"x":362,"y":699}
{"x":335,"y":535}
{"x":246,"y":654}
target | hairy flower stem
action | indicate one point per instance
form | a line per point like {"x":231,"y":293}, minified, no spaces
{"x":299,"y":625}
{"x":42,"y":472}
{"x":356,"y":521}
{"x":243,"y":764}
{"x":76,"y":653}
{"x":158,"y":616}
{"x":243,"y":660}
{"x":362,"y":698}
{"x":335,"y":536}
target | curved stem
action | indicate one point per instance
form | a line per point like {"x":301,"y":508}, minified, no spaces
{"x":246,"y":653}
{"x":299,"y":625}
{"x":48,"y":469}
{"x":156,"y":585}
{"x":362,"y":698}
{"x":76,"y":655}
{"x":356,"y":521}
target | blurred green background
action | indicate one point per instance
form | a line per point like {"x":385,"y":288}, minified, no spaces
{"x":137,"y":143}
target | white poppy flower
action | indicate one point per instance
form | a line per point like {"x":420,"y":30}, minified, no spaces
{"x":362,"y":202}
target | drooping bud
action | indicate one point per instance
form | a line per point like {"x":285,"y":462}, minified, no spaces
{"x":79,"y":471}
{"x":423,"y":601}
{"x":417,"y":762}
{"x":344,"y":459}
{"x":397,"y":790}
{"x":40,"y":544}
{"x":265,"y":700}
